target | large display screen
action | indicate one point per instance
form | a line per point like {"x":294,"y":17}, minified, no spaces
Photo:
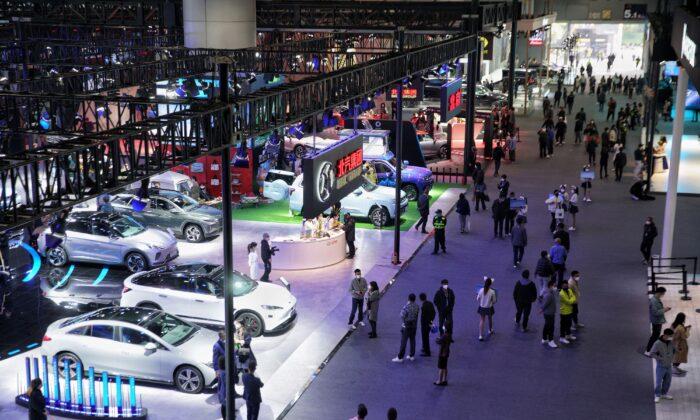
{"x":450,"y":99}
{"x":331,"y":174}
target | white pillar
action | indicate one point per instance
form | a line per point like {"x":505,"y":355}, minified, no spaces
{"x":221,"y":24}
{"x":672,"y":187}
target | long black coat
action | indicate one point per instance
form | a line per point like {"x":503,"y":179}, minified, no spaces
{"x":444,"y":302}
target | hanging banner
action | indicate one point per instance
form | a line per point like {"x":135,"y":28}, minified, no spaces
{"x":450,"y":99}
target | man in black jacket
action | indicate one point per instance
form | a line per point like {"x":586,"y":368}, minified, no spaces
{"x":251,"y":391}
{"x":444,"y":301}
{"x":266,"y":254}
{"x":563,"y":235}
{"x":499,"y":210}
{"x":427,"y":315}
{"x":524,"y":294}
{"x":423,"y":210}
{"x":349,"y":228}
{"x":648,"y":236}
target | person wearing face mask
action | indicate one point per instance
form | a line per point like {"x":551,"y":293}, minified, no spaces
{"x":524,"y":294}
{"x":663,"y":351}
{"x":657,"y":317}
{"x":648,"y":236}
{"x":358,"y":288}
{"x":554,"y":203}
{"x":444,"y":301}
{"x":373,"y":307}
{"x":575,"y":286}
{"x":544,"y":270}
{"x":567,"y":299}
{"x":409,"y":322}
{"x":548,"y":308}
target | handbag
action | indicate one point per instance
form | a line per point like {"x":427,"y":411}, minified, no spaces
{"x":433,"y":329}
{"x":559,"y":213}
{"x":486,"y":197}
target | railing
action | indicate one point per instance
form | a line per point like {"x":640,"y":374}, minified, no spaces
{"x":449,"y":175}
{"x":693,"y":259}
{"x":666,"y":274}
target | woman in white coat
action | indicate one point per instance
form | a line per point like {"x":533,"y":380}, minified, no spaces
{"x":253,"y":261}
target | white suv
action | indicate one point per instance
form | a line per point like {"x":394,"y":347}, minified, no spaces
{"x":195,"y":292}
{"x":370,"y":201}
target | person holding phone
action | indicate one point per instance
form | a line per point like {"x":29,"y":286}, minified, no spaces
{"x":681,"y":333}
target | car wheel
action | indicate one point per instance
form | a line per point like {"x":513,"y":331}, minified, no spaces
{"x":73,"y":364}
{"x":189,"y":380}
{"x":252,"y":323}
{"x":379,"y":216}
{"x":194,"y":233}
{"x":299,"y":150}
{"x":443,"y":152}
{"x":411,"y":191}
{"x":57,"y":256}
{"x":135,"y":262}
{"x":148,"y":305}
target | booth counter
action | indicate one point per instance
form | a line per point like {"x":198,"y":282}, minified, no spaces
{"x":306,"y":253}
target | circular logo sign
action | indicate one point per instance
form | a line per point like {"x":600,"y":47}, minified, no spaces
{"x":324,"y":181}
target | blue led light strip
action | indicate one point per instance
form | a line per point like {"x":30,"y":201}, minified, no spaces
{"x":101,"y":276}
{"x":36,"y":264}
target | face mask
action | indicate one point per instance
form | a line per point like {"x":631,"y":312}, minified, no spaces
{"x":444,"y":286}
{"x":578,"y":278}
{"x":647,"y":223}
{"x":357,"y":276}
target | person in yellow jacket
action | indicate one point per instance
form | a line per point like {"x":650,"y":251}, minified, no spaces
{"x":567,"y":299}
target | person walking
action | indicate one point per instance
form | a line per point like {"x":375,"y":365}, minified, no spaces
{"x":601,"y":100}
{"x":648,"y":235}
{"x":444,"y":341}
{"x":423,"y":210}
{"x":560,"y":129}
{"x":619,"y":162}
{"x":542,"y":142}
{"x":557,"y":97}
{"x":499,"y":210}
{"x":427,"y":316}
{"x":612,"y":105}
{"x":221,"y":383}
{"x":558,"y":255}
{"x":591,"y":146}
{"x":524,"y":294}
{"x":573,"y":206}
{"x":480,"y":195}
{"x":37,"y":401}
{"x":657,"y":317}
{"x":444,"y":301}
{"x":486,"y":298}
{"x":681,"y":333}
{"x":349,"y":228}
{"x":554,"y":203}
{"x":575,"y":286}
{"x":409,"y":319}
{"x":638,"y":161}
{"x":503,"y":185}
{"x":570,"y":101}
{"x":512,"y":143}
{"x":373,"y":296}
{"x":439,"y":223}
{"x":497,"y":155}
{"x":548,"y":308}
{"x":519,"y":241}
{"x":251,"y":391}
{"x":544,"y":270}
{"x":604,"y":155}
{"x":463,"y":211}
{"x":578,"y":129}
{"x":663,"y":351}
{"x":253,"y":261}
{"x":361,"y":413}
{"x":358,"y":288}
{"x":567,"y":299}
{"x":266,"y":253}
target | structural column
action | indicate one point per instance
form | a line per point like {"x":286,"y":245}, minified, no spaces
{"x":511,"y":61}
{"x":396,"y":259}
{"x":672,"y":187}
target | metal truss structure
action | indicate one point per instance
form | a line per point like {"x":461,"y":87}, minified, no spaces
{"x":46,"y":178}
{"x":374,"y":16}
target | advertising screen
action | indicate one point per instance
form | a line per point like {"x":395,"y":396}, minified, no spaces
{"x":331,"y":174}
{"x":450,"y":99}
{"x":408,"y":93}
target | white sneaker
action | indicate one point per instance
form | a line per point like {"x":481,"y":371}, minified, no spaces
{"x":397,"y":360}
{"x":571,"y":337}
{"x":579,"y":325}
{"x":544,"y":341}
{"x":362,"y":323}
{"x":647,"y":354}
{"x":573,"y":328}
{"x":572,"y":228}
{"x":553,"y":345}
{"x":667,"y":397}
{"x":411,"y":358}
{"x":657,"y":400}
{"x":351,"y":327}
{"x":564,"y":341}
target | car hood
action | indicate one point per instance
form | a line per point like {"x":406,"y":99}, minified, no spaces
{"x":205,"y":211}
{"x":270,"y":294}
{"x":159,"y":238}
{"x":415,"y":172}
{"x":382,"y":193}
{"x":199,"y":346}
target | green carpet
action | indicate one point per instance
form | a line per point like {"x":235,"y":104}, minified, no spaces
{"x":278,"y":211}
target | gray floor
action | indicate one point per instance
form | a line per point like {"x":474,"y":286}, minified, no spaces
{"x":511,"y":375}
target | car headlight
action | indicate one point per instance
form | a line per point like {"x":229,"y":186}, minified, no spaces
{"x":428,"y":177}
{"x":271,"y":307}
{"x":150,"y":246}
{"x":208,"y":220}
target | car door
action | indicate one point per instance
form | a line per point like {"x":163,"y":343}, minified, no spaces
{"x":385,"y":174}
{"x":354,"y":203}
{"x":427,"y":145}
{"x":134,"y":358}
{"x":159,"y":214}
{"x":99,"y":352}
{"x":77,"y":241}
{"x":206,"y":305}
{"x":106,"y":246}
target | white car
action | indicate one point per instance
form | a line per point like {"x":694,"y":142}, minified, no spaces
{"x":195,"y":292}
{"x":300,"y":146}
{"x":144,"y":343}
{"x":370,"y":201}
{"x":277,"y":183}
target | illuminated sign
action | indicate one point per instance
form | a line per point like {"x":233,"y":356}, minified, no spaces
{"x":407,"y":93}
{"x":331,"y":174}
{"x":486,"y":46}
{"x":450,"y":99}
{"x":536,"y":39}
{"x":688,"y":47}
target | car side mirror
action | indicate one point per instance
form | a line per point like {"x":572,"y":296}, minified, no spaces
{"x":151,"y":347}
{"x":357,"y":192}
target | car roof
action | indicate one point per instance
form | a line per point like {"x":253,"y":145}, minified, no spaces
{"x":281,"y":172}
{"x":129,"y":315}
{"x":93,"y":215}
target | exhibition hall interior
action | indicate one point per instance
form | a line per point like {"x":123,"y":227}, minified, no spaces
{"x":321,"y":209}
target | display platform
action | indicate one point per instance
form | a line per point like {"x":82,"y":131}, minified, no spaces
{"x":296,"y":253}
{"x":688,"y":171}
{"x":278,"y":211}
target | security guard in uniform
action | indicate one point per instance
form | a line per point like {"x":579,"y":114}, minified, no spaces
{"x":439,"y":222}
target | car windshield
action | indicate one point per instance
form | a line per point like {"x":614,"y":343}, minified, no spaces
{"x":374,"y":140}
{"x":241,"y":285}
{"x":125,"y":226}
{"x":368,"y":185}
{"x":172,"y":330}
{"x":183,"y":201}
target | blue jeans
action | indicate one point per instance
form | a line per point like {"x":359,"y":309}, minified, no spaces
{"x":663,"y":380}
